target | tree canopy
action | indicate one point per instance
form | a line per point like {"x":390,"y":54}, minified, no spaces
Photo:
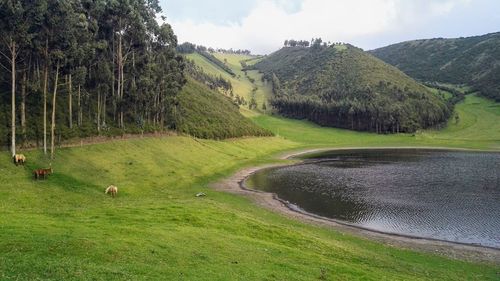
{"x":99,"y":66}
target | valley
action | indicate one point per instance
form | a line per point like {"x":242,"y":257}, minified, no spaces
{"x":157,"y":228}
{"x":99,"y":96}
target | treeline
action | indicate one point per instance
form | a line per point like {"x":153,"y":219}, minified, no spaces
{"x":314,"y":43}
{"x":364,"y":109}
{"x":189,"y":48}
{"x":296,"y":43}
{"x":78,"y":68}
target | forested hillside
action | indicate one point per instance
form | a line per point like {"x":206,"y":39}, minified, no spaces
{"x":474,"y":61}
{"x":75,"y":68}
{"x":79,"y":68}
{"x":343,"y":86}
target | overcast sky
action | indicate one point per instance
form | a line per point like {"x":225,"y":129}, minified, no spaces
{"x":263,"y":25}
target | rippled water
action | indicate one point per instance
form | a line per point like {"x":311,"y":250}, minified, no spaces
{"x":447,"y":195}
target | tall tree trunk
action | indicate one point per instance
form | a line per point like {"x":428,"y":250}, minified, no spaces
{"x":37,"y":72}
{"x":13,"y":52}
{"x":104,"y":108}
{"x":70,"y":102}
{"x":113,"y":79}
{"x":80,"y":112}
{"x":45,"y":90}
{"x":23,"y":105}
{"x":53,"y":125}
{"x":119,"y":85}
{"x":98,"y":111}
{"x":122,"y":96}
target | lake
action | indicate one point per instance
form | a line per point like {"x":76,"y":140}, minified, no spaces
{"x":446,"y":195}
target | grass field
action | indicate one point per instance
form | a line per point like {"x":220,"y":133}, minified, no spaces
{"x":479,"y":122}
{"x":65,"y":228}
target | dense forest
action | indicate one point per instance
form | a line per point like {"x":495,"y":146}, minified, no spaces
{"x":474,"y":61}
{"x":342,"y":86}
{"x":76,"y":68}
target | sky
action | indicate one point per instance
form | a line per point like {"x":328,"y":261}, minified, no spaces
{"x":263,"y":25}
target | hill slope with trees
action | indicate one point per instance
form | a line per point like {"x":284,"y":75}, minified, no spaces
{"x":79,"y":68}
{"x":474,"y":61}
{"x":343,"y":86}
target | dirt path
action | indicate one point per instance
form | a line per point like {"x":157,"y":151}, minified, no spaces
{"x":235,"y":184}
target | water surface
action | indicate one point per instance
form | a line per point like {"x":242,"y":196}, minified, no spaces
{"x":446,"y":195}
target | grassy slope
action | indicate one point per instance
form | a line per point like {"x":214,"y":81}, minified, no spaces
{"x":208,"y":114}
{"x":242,"y":86}
{"x":479,"y":123}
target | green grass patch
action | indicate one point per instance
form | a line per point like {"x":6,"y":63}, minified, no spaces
{"x":65,"y":228}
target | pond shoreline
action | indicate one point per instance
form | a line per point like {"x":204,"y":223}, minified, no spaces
{"x":469,"y":252}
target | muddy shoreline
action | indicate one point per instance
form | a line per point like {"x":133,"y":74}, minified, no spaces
{"x":236,"y":185}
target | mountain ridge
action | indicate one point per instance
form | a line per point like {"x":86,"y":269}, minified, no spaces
{"x":472,"y":61}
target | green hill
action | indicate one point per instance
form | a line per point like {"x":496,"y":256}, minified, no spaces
{"x":208,"y":114}
{"x":474,"y":61}
{"x":243,"y":84}
{"x":343,"y":86}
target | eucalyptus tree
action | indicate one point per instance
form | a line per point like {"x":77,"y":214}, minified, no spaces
{"x":14,"y":26}
{"x":64,"y":26}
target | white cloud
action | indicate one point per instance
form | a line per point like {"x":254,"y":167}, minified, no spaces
{"x":442,"y":8}
{"x":271,"y":22}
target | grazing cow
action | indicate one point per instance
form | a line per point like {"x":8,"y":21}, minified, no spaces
{"x":113,"y":190}
{"x":42,"y":173}
{"x":19,"y":159}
